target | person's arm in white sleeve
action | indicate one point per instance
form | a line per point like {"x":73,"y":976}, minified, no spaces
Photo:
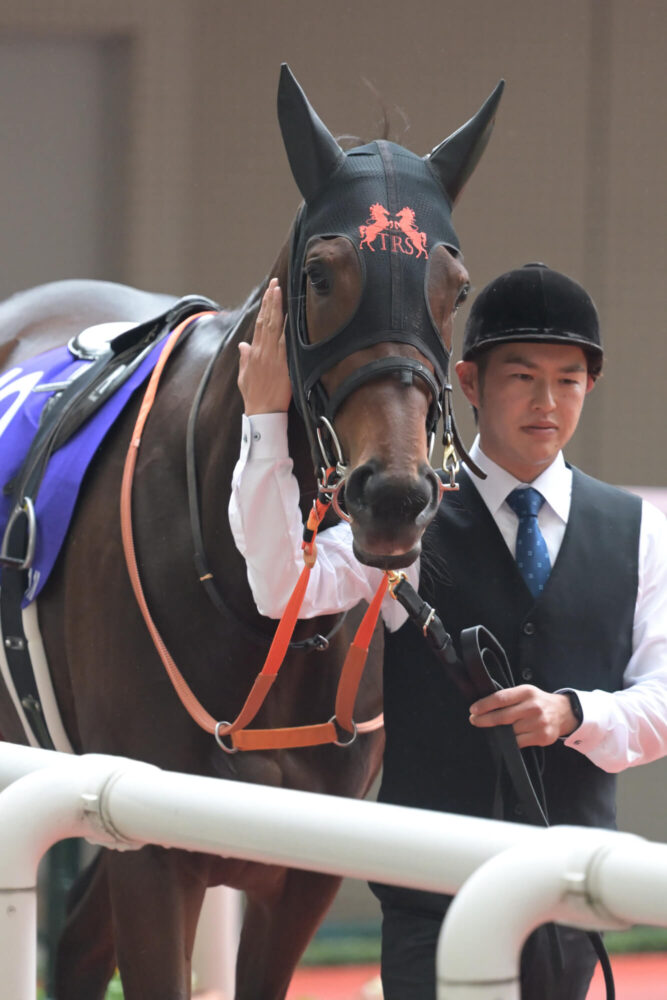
{"x":625,"y":728}
{"x":266,"y":523}
{"x":264,"y":508}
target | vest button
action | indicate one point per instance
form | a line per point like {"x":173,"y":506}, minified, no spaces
{"x":529,"y":628}
{"x":518,"y":810}
{"x":527,"y":674}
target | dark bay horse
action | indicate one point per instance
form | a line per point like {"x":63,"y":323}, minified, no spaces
{"x":369,"y":334}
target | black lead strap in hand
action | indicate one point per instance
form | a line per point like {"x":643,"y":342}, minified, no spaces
{"x":484,"y":669}
{"x":425,"y":618}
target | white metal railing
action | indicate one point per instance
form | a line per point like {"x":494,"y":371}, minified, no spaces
{"x":508,"y":877}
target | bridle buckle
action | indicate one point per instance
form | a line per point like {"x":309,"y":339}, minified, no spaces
{"x":450,"y":463}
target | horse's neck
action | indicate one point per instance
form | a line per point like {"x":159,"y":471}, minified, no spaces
{"x":219,"y":435}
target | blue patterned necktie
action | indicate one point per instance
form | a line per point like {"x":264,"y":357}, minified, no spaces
{"x":532,"y":556}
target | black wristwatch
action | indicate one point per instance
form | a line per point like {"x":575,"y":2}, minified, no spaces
{"x":577,"y":710}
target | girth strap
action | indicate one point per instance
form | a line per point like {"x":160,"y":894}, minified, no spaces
{"x":17,"y":651}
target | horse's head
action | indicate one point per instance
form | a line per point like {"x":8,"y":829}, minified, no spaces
{"x":375,"y":280}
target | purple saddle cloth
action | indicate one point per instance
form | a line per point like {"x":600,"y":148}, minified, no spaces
{"x":20,"y":410}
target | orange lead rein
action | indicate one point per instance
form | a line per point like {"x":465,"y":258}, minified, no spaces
{"x":256,"y":739}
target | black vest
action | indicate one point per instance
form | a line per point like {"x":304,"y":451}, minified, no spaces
{"x":577,"y":634}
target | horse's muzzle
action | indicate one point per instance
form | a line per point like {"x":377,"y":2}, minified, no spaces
{"x":389,"y":513}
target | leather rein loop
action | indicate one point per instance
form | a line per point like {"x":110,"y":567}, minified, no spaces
{"x":240,"y":737}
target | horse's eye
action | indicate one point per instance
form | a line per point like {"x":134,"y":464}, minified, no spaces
{"x":318,"y":276}
{"x":462,"y":296}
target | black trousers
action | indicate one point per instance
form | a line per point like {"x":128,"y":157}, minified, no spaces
{"x":410,"y":937}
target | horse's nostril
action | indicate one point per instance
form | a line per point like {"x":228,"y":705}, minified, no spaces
{"x":358,"y":486}
{"x":431,"y":505}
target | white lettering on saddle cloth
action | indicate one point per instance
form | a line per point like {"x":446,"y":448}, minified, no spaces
{"x":90,"y":343}
{"x":15,"y":383}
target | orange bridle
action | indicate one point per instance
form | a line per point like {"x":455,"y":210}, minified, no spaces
{"x":240,"y":736}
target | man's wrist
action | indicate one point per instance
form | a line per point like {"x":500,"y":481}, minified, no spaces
{"x":575,"y":708}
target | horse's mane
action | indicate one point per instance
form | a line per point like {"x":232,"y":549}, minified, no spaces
{"x":385,"y":127}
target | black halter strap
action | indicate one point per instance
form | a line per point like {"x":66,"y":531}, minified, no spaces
{"x":295,"y":318}
{"x":406,"y":369}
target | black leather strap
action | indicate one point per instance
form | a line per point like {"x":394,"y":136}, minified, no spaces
{"x":489,"y":671}
{"x":405,"y":369}
{"x":17,"y":652}
{"x":484,"y":670}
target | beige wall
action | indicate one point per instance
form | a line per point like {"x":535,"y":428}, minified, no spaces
{"x":573,"y":175}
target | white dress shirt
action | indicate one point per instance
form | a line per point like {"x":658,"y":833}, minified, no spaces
{"x":620,"y":729}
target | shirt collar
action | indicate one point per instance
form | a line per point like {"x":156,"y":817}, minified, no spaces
{"x":555,"y":483}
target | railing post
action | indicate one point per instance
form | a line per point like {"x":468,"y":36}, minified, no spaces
{"x":511,"y":894}
{"x":217,"y":940}
{"x":509,"y":878}
{"x":36,"y":811}
{"x":18,"y":942}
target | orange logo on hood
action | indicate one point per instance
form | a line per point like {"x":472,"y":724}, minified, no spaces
{"x":398,"y":234}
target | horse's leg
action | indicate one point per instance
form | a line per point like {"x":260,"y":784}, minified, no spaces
{"x":86,"y":956}
{"x":156,"y":896}
{"x":276,"y":930}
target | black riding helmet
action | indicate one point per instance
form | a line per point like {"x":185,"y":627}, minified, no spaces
{"x":534,"y":303}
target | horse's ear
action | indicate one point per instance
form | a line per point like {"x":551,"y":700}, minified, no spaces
{"x":454,"y":160}
{"x":312,"y":151}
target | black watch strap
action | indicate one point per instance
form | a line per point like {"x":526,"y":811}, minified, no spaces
{"x":577,"y":710}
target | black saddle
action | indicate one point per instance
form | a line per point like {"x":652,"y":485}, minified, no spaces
{"x":70,"y":407}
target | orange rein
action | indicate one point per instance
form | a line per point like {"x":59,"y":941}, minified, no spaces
{"x":241,"y":737}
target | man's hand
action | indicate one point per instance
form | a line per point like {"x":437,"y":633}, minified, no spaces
{"x":263,"y":376}
{"x":537,"y":717}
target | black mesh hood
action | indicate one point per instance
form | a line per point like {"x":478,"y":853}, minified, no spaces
{"x":395,"y":209}
{"x":390,"y":205}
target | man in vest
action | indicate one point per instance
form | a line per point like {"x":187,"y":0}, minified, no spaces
{"x":568,"y":573}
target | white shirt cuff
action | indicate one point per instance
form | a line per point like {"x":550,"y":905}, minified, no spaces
{"x":264,"y":435}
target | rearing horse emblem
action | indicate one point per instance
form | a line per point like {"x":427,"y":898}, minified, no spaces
{"x":387,"y":227}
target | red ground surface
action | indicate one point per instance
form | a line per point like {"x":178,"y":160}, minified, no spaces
{"x":637,"y":977}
